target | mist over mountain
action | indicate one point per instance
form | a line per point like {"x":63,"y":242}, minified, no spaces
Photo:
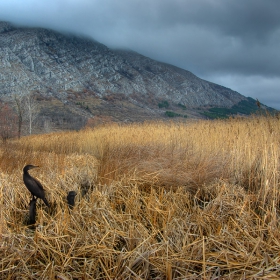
{"x":76,"y":78}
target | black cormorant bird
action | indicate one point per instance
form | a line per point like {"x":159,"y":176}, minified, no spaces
{"x":71,"y":199}
{"x":33,"y":185}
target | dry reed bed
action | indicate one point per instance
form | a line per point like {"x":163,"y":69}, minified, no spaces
{"x":156,"y":201}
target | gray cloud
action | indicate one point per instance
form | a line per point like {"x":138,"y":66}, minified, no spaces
{"x":233,"y":43}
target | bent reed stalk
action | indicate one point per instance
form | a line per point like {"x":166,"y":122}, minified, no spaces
{"x":195,"y":200}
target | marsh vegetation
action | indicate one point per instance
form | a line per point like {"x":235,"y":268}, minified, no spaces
{"x":193,"y":200}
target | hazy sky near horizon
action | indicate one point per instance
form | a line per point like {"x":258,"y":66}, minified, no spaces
{"x":233,"y":43}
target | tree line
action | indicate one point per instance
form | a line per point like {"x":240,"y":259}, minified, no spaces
{"x":17,"y":110}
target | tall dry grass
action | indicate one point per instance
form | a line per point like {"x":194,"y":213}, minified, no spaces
{"x":196,"y":200}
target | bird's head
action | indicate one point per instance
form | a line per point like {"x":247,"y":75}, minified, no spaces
{"x":28,"y":167}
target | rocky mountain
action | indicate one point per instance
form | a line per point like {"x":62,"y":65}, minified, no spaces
{"x":76,"y":78}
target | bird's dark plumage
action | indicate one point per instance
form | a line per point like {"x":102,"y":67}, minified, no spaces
{"x":33,"y":185}
{"x":71,"y":199}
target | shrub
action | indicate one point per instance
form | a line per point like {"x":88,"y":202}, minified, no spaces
{"x":182,"y":106}
{"x":171,"y":114}
{"x":163,"y":104}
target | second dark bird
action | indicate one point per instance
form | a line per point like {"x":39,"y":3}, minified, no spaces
{"x":33,"y":185}
{"x":71,"y":199}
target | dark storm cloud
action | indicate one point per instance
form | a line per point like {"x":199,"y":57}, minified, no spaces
{"x":232,"y":42}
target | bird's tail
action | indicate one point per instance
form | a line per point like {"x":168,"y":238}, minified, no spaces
{"x":46,"y":202}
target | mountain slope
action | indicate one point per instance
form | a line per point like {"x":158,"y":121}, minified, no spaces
{"x":90,"y":79}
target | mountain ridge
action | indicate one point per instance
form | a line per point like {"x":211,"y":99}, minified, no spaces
{"x":71,"y":70}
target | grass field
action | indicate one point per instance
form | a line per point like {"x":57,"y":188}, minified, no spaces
{"x":194,"y":200}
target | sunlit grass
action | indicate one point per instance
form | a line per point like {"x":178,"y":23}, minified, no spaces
{"x":196,"y":200}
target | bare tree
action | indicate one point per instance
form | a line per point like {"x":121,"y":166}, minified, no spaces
{"x":47,"y":124}
{"x":8,"y":122}
{"x":26,"y":107}
{"x":31,"y":109}
{"x":18,"y":104}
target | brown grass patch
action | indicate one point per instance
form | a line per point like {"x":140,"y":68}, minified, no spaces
{"x":155,"y":201}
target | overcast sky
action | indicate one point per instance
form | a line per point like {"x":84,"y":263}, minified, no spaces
{"x":235,"y":43}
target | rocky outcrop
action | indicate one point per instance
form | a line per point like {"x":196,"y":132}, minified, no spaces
{"x":178,"y":85}
{"x":77,"y":80}
{"x":34,"y":59}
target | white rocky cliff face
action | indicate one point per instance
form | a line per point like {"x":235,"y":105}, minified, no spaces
{"x":38,"y":59}
{"x":75,"y":71}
